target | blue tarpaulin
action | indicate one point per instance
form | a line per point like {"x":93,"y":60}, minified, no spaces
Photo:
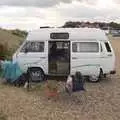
{"x":11,"y":71}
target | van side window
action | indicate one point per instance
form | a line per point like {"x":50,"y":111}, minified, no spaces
{"x":107,"y":47}
{"x":33,"y":47}
{"x":88,"y":47}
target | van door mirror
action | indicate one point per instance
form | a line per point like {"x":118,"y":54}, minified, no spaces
{"x":26,"y":50}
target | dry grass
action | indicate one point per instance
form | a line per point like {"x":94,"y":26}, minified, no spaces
{"x":9,"y":40}
{"x":101,"y":101}
{"x":3,"y":116}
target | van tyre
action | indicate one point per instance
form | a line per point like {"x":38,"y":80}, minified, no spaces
{"x":37,"y":74}
{"x":95,"y":79}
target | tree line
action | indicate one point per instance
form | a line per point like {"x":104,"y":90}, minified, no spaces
{"x":102,"y":25}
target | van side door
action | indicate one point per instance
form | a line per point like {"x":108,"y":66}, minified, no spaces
{"x":85,"y":57}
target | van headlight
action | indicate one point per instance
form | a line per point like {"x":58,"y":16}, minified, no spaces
{"x":14,"y":58}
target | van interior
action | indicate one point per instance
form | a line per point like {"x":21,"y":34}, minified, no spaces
{"x":59,"y":57}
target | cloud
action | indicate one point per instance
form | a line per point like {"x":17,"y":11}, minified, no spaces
{"x":55,"y":13}
{"x":28,"y":18}
{"x":47,"y":3}
{"x":84,"y":12}
{"x":41,"y":3}
{"x":117,"y":1}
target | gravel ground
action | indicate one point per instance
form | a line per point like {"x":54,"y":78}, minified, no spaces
{"x":101,"y":101}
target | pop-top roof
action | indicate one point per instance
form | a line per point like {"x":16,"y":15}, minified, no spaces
{"x":74,"y":34}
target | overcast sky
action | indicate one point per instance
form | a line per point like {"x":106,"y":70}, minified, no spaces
{"x":31,"y":14}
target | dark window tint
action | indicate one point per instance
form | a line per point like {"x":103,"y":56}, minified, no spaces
{"x":85,"y":47}
{"x":33,"y":47}
{"x":107,"y":47}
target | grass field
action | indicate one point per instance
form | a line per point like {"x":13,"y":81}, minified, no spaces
{"x":10,"y":40}
{"x":101,"y":101}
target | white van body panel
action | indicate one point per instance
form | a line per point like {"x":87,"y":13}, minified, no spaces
{"x":31,"y":59}
{"x":86,"y":63}
{"x":107,"y":60}
{"x":74,"y":34}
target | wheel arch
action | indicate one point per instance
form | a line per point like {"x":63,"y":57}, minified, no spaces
{"x":32,"y":68}
{"x":101,"y":69}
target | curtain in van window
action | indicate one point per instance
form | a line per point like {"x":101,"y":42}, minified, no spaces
{"x":85,"y":47}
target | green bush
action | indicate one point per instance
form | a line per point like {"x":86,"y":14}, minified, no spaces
{"x":19,"y":33}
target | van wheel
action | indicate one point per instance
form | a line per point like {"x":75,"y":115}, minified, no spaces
{"x":37,"y":74}
{"x":95,"y":79}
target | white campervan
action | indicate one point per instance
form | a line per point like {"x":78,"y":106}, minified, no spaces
{"x":63,"y":51}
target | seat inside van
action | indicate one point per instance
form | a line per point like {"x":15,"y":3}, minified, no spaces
{"x":59,"y":57}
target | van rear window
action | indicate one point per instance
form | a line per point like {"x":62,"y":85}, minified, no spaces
{"x":85,"y":47}
{"x":33,"y":47}
{"x":107,"y":47}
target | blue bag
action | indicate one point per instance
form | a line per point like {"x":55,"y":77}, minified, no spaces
{"x":11,"y":71}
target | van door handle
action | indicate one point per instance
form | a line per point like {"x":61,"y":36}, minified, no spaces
{"x":74,"y":58}
{"x":42,"y":57}
{"x":109,"y":54}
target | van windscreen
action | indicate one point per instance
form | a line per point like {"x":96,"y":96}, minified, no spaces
{"x":33,"y":47}
{"x":107,"y":47}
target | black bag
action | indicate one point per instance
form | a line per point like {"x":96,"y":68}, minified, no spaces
{"x":78,"y":82}
{"x":21,"y":80}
